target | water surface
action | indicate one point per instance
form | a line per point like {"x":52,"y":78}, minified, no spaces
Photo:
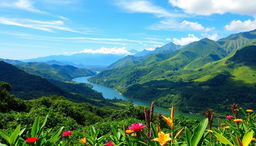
{"x":110,"y":93}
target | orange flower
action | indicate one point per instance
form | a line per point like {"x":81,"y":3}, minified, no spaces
{"x":133,"y":134}
{"x":249,"y":111}
{"x":169,"y":121}
{"x":83,"y":140}
{"x":238,"y":120}
{"x":128,"y":131}
{"x":222,"y":124}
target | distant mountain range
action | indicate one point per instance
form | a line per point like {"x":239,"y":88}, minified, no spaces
{"x":203,"y":74}
{"x":80,"y":60}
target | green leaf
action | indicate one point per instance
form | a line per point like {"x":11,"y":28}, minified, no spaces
{"x":5,"y":136}
{"x":199,"y":132}
{"x":2,"y":144}
{"x":247,"y":138}
{"x":188,"y":136}
{"x":15,"y":135}
{"x":22,"y":131}
{"x":35,"y":128}
{"x":222,"y":139}
{"x":42,"y":126}
{"x":56,"y":136}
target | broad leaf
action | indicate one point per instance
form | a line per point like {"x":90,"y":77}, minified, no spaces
{"x":247,"y":138}
{"x":5,"y":136}
{"x":222,"y":139}
{"x":199,"y":132}
{"x":15,"y":135}
{"x":56,"y":136}
{"x":35,"y":128}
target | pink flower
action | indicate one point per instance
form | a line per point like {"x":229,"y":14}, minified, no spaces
{"x":136,"y":127}
{"x":110,"y":144}
{"x":66,"y":133}
{"x":229,"y":117}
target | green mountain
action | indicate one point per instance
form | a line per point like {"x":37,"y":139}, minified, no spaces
{"x":198,"y":76}
{"x":236,"y":41}
{"x":55,"y":72}
{"x":161,"y":65}
{"x":28,"y":86}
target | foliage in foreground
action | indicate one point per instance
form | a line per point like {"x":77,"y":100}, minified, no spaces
{"x":235,"y":130}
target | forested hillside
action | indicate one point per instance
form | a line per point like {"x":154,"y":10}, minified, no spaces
{"x":203,"y":74}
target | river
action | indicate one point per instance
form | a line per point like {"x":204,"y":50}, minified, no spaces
{"x":110,"y":93}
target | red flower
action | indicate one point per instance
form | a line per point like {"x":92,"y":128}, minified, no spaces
{"x":66,"y":133}
{"x":32,"y":139}
{"x":110,"y":144}
{"x":229,"y":117}
{"x":136,"y":127}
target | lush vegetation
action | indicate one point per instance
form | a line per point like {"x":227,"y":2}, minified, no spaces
{"x":61,"y":112}
{"x":201,"y":75}
{"x":237,"y":129}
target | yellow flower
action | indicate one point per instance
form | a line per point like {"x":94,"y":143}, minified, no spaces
{"x":162,"y":138}
{"x":134,"y":134}
{"x":226,"y":127}
{"x":210,"y":131}
{"x":253,"y":139}
{"x":83,"y":140}
{"x":249,"y":111}
{"x":169,"y":121}
{"x":238,"y":120}
{"x":128,"y":131}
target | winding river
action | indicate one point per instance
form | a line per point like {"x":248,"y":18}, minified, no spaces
{"x":109,"y":93}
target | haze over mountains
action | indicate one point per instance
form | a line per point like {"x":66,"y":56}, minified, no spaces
{"x":80,"y":59}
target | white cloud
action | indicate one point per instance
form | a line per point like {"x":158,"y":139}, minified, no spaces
{"x":21,"y":4}
{"x":214,"y":36}
{"x":169,"y":24}
{"x":208,"y":7}
{"x":49,"y":26}
{"x":150,"y":49}
{"x":103,"y":50}
{"x":194,"y":26}
{"x":144,"y":6}
{"x":238,"y":25}
{"x":186,"y":40}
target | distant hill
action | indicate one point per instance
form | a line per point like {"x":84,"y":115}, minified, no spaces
{"x":197,"y":76}
{"x":10,"y":61}
{"x":54,"y":72}
{"x":168,"y":48}
{"x":28,"y":86}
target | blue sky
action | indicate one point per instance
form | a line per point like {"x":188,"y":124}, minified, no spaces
{"x":34,"y":28}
